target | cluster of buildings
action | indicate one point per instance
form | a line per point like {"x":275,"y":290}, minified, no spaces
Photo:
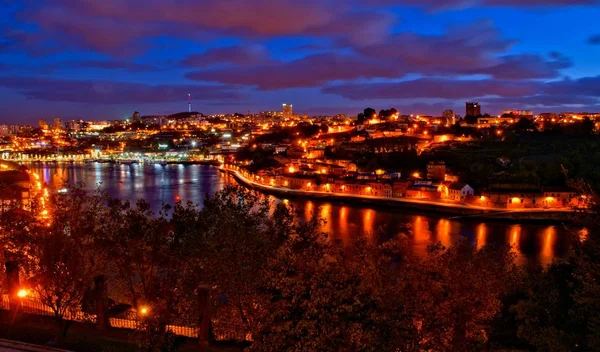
{"x":339,"y":178}
{"x":178,"y":135}
{"x":512,"y":116}
{"x":15,"y":187}
{"x":191,"y":135}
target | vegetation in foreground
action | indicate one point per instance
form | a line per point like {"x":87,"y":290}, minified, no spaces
{"x":295,"y":288}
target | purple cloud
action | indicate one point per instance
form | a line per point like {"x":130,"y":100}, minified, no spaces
{"x":103,"y":64}
{"x":108,"y":92}
{"x":449,"y":4}
{"x":310,"y":71}
{"x":356,"y":28}
{"x":584,"y":92}
{"x":122,"y":27}
{"x":474,"y":49}
{"x":241,"y":55}
{"x":587,"y":86}
{"x":526,"y":67}
{"x":434,"y":88}
{"x":543,"y":100}
{"x":462,"y":48}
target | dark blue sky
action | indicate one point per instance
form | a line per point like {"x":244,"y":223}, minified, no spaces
{"x":104,"y":59}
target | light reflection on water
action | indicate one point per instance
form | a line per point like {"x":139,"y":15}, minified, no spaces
{"x":159,"y":184}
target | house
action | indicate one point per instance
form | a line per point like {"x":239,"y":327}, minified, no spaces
{"x":280,"y":149}
{"x":459,"y":191}
{"x":423,"y":191}
{"x":511,"y":198}
{"x":400,"y":188}
{"x":379,"y":189}
{"x":558,"y":197}
{"x":15,"y":189}
{"x":436,"y":170}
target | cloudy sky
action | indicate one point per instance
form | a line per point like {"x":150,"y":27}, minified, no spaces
{"x":104,"y":59}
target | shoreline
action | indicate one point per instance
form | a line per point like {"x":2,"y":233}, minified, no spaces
{"x":456,"y":211}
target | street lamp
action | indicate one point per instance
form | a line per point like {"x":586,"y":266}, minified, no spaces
{"x":144,"y":310}
{"x":22,"y":293}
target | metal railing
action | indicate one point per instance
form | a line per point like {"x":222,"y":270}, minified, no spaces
{"x":131,"y":320}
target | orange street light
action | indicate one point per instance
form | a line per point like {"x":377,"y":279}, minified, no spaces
{"x":144,"y":310}
{"x":22,"y":293}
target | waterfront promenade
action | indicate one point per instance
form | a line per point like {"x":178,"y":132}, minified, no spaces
{"x":455,"y":209}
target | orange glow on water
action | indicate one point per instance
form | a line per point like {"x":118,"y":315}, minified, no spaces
{"x":308,"y":209}
{"x":481,"y":236}
{"x":547,"y":254}
{"x":443,"y":232}
{"x":515,"y":233}
{"x":421,"y":235}
{"x":583,"y":234}
{"x":343,"y":225}
{"x":326,"y":215}
{"x":368,"y":221}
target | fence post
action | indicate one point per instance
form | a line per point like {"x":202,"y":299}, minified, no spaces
{"x":102,"y":319}
{"x":13,"y":285}
{"x":204,"y":309}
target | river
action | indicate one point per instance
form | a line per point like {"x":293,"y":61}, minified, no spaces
{"x":159,"y":184}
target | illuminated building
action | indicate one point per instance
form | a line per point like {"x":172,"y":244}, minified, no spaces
{"x":136,"y":117}
{"x":57,"y":123}
{"x":436,"y":170}
{"x":15,"y":187}
{"x":517,"y":114}
{"x":473,"y":109}
{"x":4,"y":131}
{"x":287,"y":111}
{"x":42,"y":124}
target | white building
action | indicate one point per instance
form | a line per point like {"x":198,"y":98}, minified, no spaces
{"x":459,"y":191}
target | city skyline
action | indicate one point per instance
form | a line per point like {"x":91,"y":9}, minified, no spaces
{"x":104,"y":61}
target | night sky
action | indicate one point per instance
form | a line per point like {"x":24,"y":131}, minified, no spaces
{"x":104,"y":59}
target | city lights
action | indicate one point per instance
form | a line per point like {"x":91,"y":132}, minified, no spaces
{"x":433,"y":186}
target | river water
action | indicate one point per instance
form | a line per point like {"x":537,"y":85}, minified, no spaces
{"x":160,"y":184}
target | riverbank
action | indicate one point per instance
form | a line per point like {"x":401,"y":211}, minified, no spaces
{"x":457,"y":211}
{"x":126,"y":162}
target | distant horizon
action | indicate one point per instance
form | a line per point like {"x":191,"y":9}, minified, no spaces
{"x":48,"y":119}
{"x":81,"y":59}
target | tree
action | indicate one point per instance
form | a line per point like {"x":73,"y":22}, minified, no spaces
{"x":369,"y":113}
{"x":320,"y":300}
{"x":543,"y":315}
{"x":456,"y":127}
{"x":587,"y":126}
{"x":471,"y":120}
{"x":63,"y":260}
{"x":559,"y":311}
{"x":465,"y":289}
{"x":381,"y":297}
{"x":360,"y":118}
{"x":239,"y":231}
{"x":60,"y":277}
{"x":148,"y":257}
{"x":525,"y":125}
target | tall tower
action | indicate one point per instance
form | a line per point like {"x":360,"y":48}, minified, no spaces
{"x":189,"y":103}
{"x":473,"y":109}
{"x":287,"y":111}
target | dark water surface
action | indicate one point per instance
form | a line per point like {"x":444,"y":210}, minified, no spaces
{"x":160,"y":184}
